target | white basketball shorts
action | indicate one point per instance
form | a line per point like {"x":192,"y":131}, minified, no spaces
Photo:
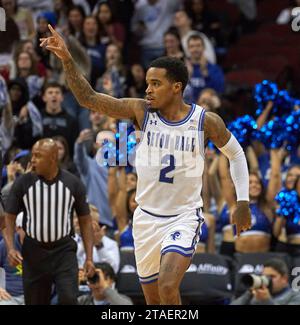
{"x":155,"y":236}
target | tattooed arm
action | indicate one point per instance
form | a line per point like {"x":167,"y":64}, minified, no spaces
{"x":215,"y":129}
{"x":128,"y":108}
{"x":117,"y":108}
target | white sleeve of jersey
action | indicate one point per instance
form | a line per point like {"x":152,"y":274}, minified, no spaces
{"x":238,"y":168}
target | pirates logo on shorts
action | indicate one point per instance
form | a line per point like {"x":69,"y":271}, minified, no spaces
{"x":176,"y":235}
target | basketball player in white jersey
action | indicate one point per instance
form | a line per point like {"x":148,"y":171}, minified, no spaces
{"x":169,"y":164}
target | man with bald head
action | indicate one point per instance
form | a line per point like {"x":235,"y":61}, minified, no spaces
{"x":48,"y":197}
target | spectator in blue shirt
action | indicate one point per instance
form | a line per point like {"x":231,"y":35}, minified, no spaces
{"x":93,"y":176}
{"x":203,"y":74}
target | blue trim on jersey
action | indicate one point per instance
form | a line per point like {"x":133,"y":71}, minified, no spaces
{"x":192,"y":110}
{"x":198,"y":215}
{"x":148,"y":282}
{"x":177,"y":251}
{"x":201,"y":120}
{"x":149,"y":279}
{"x":177,"y":246}
{"x":146,"y":117}
{"x":200,"y":129}
{"x":200,"y":222}
{"x":158,"y":215}
{"x":144,"y":125}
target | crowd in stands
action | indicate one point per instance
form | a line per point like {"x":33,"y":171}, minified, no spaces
{"x":228,"y":47}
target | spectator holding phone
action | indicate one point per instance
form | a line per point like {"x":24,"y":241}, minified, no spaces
{"x":102,"y":286}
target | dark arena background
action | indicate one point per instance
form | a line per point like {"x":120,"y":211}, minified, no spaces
{"x":243,"y":63}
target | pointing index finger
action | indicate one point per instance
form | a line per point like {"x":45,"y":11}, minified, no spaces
{"x":52,"y":30}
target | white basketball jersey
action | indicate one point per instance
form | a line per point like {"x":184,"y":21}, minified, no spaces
{"x":170,"y":163}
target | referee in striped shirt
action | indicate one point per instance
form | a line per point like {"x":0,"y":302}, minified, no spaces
{"x":48,"y":196}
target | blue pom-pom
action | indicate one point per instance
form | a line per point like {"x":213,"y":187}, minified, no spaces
{"x":268,"y":91}
{"x":289,"y":205}
{"x":292,"y":126}
{"x":283,"y":104}
{"x":263,"y":93}
{"x":272,"y":134}
{"x":242,"y":128}
{"x":281,"y":130}
{"x":296,"y":102}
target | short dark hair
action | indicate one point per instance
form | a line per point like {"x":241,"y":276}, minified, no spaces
{"x":53,"y":84}
{"x":196,"y":37}
{"x":278,"y":265}
{"x":107,"y":270}
{"x":176,"y":69}
{"x":173,"y":31}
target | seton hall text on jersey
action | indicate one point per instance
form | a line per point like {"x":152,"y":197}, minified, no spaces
{"x":167,"y":141}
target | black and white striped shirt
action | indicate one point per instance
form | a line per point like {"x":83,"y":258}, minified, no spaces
{"x":48,"y":206}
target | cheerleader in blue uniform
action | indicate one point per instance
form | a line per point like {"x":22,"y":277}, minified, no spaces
{"x":291,"y":231}
{"x":258,"y":238}
{"x":220,"y":187}
{"x":286,"y":232}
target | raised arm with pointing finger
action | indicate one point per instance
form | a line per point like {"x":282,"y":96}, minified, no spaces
{"x":118,"y":108}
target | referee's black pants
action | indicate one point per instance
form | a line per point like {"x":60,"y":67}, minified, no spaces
{"x":45,"y":265}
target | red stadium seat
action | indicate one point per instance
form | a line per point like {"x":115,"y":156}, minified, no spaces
{"x":238,"y":55}
{"x":271,"y":66}
{"x":291,"y":53}
{"x":268,"y":10}
{"x":245,"y":78}
{"x":222,"y":7}
{"x":276,"y":30}
{"x":256,"y":39}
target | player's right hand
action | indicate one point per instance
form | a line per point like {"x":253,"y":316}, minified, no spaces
{"x":14,"y":258}
{"x":241,"y":217}
{"x":56,"y":44}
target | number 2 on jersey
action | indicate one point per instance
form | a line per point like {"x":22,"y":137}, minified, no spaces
{"x":170,"y":160}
